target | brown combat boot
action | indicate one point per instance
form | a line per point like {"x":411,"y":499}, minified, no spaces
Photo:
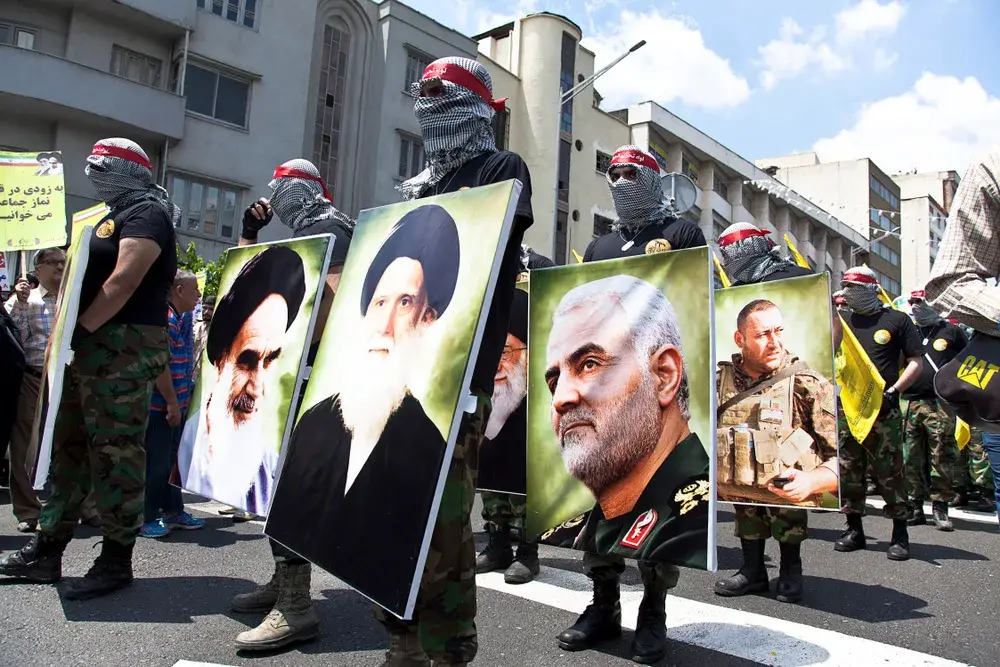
{"x":262,"y":598}
{"x":293,"y":618}
{"x":404,"y":645}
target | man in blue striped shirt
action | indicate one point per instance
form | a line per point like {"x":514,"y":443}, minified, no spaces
{"x":167,"y":411}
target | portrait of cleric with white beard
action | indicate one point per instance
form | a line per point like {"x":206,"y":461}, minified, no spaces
{"x":365,"y":462}
{"x":502,"y":457}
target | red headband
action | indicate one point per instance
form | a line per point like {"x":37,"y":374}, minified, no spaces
{"x":460,"y":76}
{"x":292,"y":172}
{"x":104,"y":150}
{"x":918,"y":294}
{"x":854,"y":277}
{"x":631,"y":156}
{"x":740,"y":234}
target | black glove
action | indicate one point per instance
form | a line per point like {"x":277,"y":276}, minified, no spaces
{"x":252,"y":224}
{"x":890,"y":397}
{"x":79,"y":333}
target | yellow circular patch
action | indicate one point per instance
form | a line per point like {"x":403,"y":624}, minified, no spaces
{"x":657,"y":245}
{"x":940,"y":345}
{"x":105,"y":229}
{"x":882,"y":336}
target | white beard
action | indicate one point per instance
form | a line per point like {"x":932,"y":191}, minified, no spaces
{"x":507,"y":396}
{"x":230,"y":455}
{"x":375,"y":390}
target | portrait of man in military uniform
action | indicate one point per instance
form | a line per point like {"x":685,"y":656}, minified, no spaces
{"x":777,"y":428}
{"x":616,"y":372}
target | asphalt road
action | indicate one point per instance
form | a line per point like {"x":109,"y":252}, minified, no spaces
{"x":943,"y":603}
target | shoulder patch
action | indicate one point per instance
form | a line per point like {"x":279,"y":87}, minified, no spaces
{"x":105,"y":229}
{"x":657,"y":245}
{"x":940,"y":345}
{"x":690,"y":494}
{"x":882,"y":336}
{"x":640,"y":529}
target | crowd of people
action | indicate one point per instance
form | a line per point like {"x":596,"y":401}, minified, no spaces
{"x":138,"y":349}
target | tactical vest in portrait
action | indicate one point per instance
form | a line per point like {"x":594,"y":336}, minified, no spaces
{"x":755,"y":436}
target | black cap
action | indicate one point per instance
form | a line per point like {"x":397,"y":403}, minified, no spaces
{"x":342,"y":235}
{"x":518,"y":326}
{"x":277,"y":270}
{"x":428,"y":235}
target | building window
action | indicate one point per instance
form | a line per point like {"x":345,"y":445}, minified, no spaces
{"x":136,"y":66}
{"x":602,"y":226}
{"x":561,"y":223}
{"x":772,"y":210}
{"x":719,"y":224}
{"x":689,"y":169}
{"x":240,"y":12}
{"x":880,"y":219}
{"x":882,"y":191}
{"x":603,"y":162}
{"x":747,"y":198}
{"x":330,"y":98}
{"x":17,"y":36}
{"x":566,"y":80}
{"x":411,"y":157}
{"x":721,"y":187}
{"x":215,"y":95}
{"x":501,"y":129}
{"x":564,"y":159}
{"x":208,"y":208}
{"x":415,"y":66}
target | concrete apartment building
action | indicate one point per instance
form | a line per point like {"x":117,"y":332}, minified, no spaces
{"x":858,"y":193}
{"x":940,"y":185}
{"x":925,"y":201}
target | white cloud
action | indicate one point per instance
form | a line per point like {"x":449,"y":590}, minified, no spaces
{"x":791,"y":54}
{"x":868,"y":17}
{"x":674,"y":65}
{"x":943,"y":122}
{"x":883,"y":60}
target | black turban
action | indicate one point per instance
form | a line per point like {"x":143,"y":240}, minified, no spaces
{"x":342,"y":235}
{"x":428,"y":235}
{"x":518,"y":326}
{"x":277,"y":270}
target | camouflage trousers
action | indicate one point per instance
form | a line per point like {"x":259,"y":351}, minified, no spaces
{"x":99,"y":440}
{"x":504,"y":510}
{"x":787,"y":525}
{"x":930,"y":452}
{"x":446,"y":605}
{"x":972,"y":469}
{"x":882,"y":450}
{"x":658,"y":574}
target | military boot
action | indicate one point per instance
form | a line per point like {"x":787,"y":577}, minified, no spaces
{"x":961,"y":499}
{"x":790,"y":574}
{"x":602,"y":619}
{"x":915,"y":514}
{"x":854,"y":537}
{"x":262,"y":598}
{"x":940,"y":514}
{"x":899,"y":547}
{"x":39,"y":561}
{"x":293,"y":618}
{"x":498,"y":554}
{"x":112,"y":570}
{"x":650,"y":641}
{"x":525,"y":566}
{"x":404,"y":645}
{"x":751,"y":577}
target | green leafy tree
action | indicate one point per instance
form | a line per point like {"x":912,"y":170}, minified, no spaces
{"x":190,"y":260}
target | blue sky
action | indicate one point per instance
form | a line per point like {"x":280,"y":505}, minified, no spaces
{"x":909,"y":83}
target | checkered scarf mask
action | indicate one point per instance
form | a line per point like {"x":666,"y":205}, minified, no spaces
{"x":861,"y":290}
{"x":640,"y":202}
{"x":122,"y":175}
{"x":748,"y":256}
{"x":456,"y":125}
{"x":299,"y":196}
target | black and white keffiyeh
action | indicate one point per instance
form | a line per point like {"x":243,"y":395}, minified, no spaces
{"x":861,"y":290}
{"x":748,"y":256}
{"x":299,"y":196}
{"x":456,"y":125}
{"x":640,"y":202}
{"x":531,"y":260}
{"x":122,"y":175}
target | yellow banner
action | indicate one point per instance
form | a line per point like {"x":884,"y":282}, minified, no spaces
{"x":962,"y":434}
{"x":576,"y":256}
{"x":32,"y":201}
{"x":89,"y":216}
{"x":860,"y":385}
{"x":722,"y":274}
{"x":796,"y":255}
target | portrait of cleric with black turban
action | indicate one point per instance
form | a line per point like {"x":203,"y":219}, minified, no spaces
{"x":234,"y":459}
{"x":365,"y":461}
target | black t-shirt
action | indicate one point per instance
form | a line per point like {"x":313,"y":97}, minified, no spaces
{"x":677,"y":232}
{"x":884,"y":335}
{"x":941,"y":342}
{"x":781,"y":274}
{"x":148,"y":304}
{"x":486,"y":169}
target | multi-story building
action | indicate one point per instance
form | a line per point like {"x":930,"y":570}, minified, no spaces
{"x":858,"y":193}
{"x":940,"y":185}
{"x":924,"y":221}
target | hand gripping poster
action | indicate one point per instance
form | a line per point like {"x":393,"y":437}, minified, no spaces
{"x":502,"y":467}
{"x":777,"y":419}
{"x":621,"y":412}
{"x":363,"y":474}
{"x":254,"y":356}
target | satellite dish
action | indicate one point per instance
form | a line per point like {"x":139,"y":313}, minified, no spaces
{"x":679,"y":192}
